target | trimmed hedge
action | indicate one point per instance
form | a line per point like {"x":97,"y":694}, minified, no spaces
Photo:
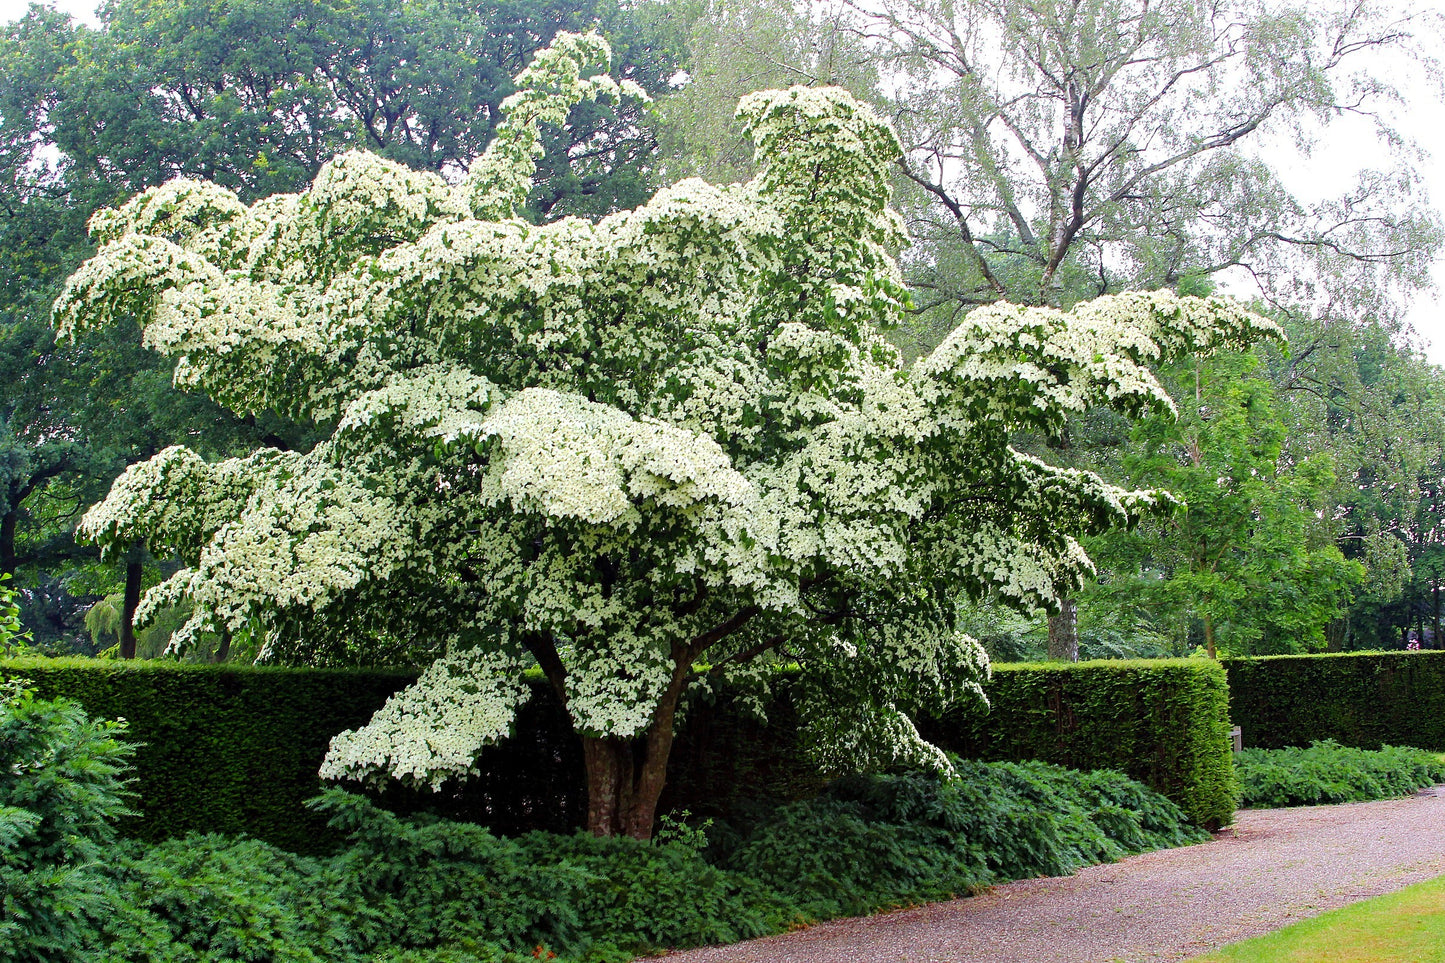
{"x":1165,"y":722}
{"x":1365,"y":700}
{"x":235,"y":749}
{"x":221,"y":749}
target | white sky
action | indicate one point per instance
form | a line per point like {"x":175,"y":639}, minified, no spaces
{"x":1330,"y":170}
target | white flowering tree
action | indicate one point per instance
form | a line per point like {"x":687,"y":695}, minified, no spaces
{"x":637,"y":453}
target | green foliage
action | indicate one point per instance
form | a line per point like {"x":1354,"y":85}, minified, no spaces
{"x":13,"y":638}
{"x":435,"y":882}
{"x":1114,"y":631}
{"x":62,"y":785}
{"x":427,"y":890}
{"x":664,"y":894}
{"x":1327,"y":772}
{"x":103,"y":621}
{"x":871,"y":841}
{"x":210,"y":897}
{"x":227,"y":750}
{"x":1366,"y":700}
{"x":422,"y":889}
{"x":1253,"y":559}
{"x":1163,"y":722}
{"x":1360,"y":393}
{"x":236,"y":749}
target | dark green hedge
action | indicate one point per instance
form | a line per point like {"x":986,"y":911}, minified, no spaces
{"x":1163,"y":721}
{"x":235,"y":749}
{"x":1366,"y":700}
{"x":222,"y":749}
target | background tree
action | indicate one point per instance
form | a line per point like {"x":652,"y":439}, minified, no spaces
{"x":1377,"y":408}
{"x":1064,"y":150}
{"x":1253,"y":559}
{"x":737,"y":48}
{"x":632,"y":453}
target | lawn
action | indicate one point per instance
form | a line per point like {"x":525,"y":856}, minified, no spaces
{"x":1403,"y":927}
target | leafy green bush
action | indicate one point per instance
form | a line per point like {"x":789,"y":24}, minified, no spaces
{"x":439,"y":882}
{"x":420,"y":889}
{"x":62,"y":786}
{"x":871,"y":842}
{"x":211,"y":897}
{"x":1328,"y":773}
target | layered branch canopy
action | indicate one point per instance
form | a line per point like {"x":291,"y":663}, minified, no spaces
{"x":620,"y":449}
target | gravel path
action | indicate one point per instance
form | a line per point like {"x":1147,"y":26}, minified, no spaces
{"x":1272,"y":868}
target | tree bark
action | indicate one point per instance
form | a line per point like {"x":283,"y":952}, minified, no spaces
{"x":8,"y":526}
{"x":127,"y":614}
{"x":1064,"y":632}
{"x":625,"y":776}
{"x":1436,"y":642}
{"x":1335,"y":635}
{"x":1209,"y":636}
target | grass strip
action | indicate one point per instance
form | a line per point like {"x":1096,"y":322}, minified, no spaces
{"x":1407,"y":926}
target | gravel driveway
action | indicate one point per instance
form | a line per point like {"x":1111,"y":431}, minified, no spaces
{"x":1272,"y":868}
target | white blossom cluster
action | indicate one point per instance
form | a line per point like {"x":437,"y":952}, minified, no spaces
{"x":434,"y":728}
{"x":670,"y":437}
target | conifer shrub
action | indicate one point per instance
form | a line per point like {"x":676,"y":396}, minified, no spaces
{"x":62,"y":787}
{"x":876,"y":841}
{"x":420,"y":889}
{"x":1327,"y":773}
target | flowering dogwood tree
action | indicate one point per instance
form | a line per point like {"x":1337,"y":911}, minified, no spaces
{"x":636,"y":453}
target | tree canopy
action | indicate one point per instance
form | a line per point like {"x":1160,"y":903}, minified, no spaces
{"x":1065,"y":149}
{"x":1254,"y":557}
{"x":254,"y":95}
{"x":635,"y":452}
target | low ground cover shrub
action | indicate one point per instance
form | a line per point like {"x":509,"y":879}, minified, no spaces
{"x":419,"y":889}
{"x":1327,"y":772}
{"x":869,"y":842}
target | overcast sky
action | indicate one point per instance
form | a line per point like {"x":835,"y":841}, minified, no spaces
{"x":1329,"y":171}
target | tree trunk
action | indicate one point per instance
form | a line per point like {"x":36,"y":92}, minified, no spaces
{"x":127,"y":613}
{"x":1209,"y":636}
{"x":1064,"y":632}
{"x":8,"y":526}
{"x":625,"y":776}
{"x":1436,"y":642}
{"x":224,"y":648}
{"x":1335,"y":634}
